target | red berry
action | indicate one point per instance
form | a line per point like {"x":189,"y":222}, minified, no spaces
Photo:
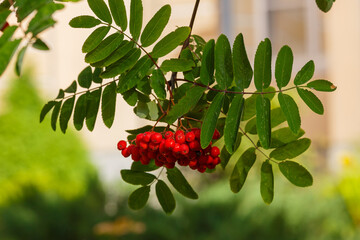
{"x":145,"y":160}
{"x":195,"y":145}
{"x":143,"y":145}
{"x":183,"y":162}
{"x":180,"y":138}
{"x":197,"y":133}
{"x":184,"y":149}
{"x":176,"y":149}
{"x":146,"y":137}
{"x":169,"y":134}
{"x":169,"y":165}
{"x":171,"y":159}
{"x":215,"y":151}
{"x":192,"y":155}
{"x":135,"y":157}
{"x":139,"y":137}
{"x":156,"y":138}
{"x":201,"y":169}
{"x":190,"y":136}
{"x":125,"y":152}
{"x":210,"y":160}
{"x":216,"y":161}
{"x":153,"y":146}
{"x":121,"y":145}
{"x":151,"y":155}
{"x":169,"y":144}
{"x":179,"y":132}
{"x":203,"y":160}
{"x":216,"y":134}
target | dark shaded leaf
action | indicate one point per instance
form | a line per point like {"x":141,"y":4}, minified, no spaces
{"x":108,"y":104}
{"x":223,"y":62}
{"x":170,"y":42}
{"x":6,"y":53}
{"x":84,"y":22}
{"x":137,"y":178}
{"x":185,"y":104}
{"x":157,"y":82}
{"x":177,"y":65}
{"x":241,"y":170}
{"x":105,"y":48}
{"x":138,"y":198}
{"x":61,"y":94}
{"x":40,"y":45}
{"x":233,"y":121}
{"x":118,"y":11}
{"x":322,"y":85}
{"x":250,"y":102}
{"x":325,"y":5}
{"x":291,"y":150}
{"x":243,"y":72}
{"x":55,"y":115}
{"x":145,"y":129}
{"x":263,"y":123}
{"x":155,"y":26}
{"x":100,"y":9}
{"x":19,"y":60}
{"x":80,"y":111}
{"x":85,"y":77}
{"x":95,"y":39}
{"x":65,"y":113}
{"x":262,"y":66}
{"x":139,"y":167}
{"x":124,"y":48}
{"x":311,"y":100}
{"x":47,"y":107}
{"x":283,"y":66}
{"x":267,"y":182}
{"x":283,"y":136}
{"x":225,"y":157}
{"x":92,"y":108}
{"x":305,"y":74}
{"x":210,"y":119}
{"x":179,"y":182}
{"x":208,"y":63}
{"x":277,"y":117}
{"x":165,"y":197}
{"x":96,"y":75}
{"x":296,"y":174}
{"x":72,"y":88}
{"x":136,"y":18}
{"x":291,"y":111}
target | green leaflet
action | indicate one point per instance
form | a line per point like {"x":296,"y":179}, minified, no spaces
{"x":40,"y":45}
{"x":137,"y":178}
{"x":26,"y":7}
{"x":72,"y":88}
{"x":108,"y":104}
{"x":210,"y":119}
{"x":137,"y":73}
{"x":19,"y":60}
{"x":61,"y":94}
{"x":241,"y":170}
{"x":80,"y":111}
{"x":283,"y":66}
{"x":95,"y":39}
{"x":105,"y":48}
{"x":100,"y":9}
{"x":291,"y":111}
{"x":267,"y":182}
{"x":291,"y":150}
{"x":296,"y":174}
{"x":157,"y":82}
{"x":185,"y":104}
{"x":85,"y":77}
{"x":325,"y":5}
{"x":263,"y":123}
{"x":6,"y":53}
{"x":92,"y":108}
{"x":207,"y":63}
{"x":144,"y":85}
{"x":145,"y":129}
{"x":322,"y":85}
{"x":55,"y":115}
{"x":7,"y":34}
{"x":223,"y":62}
{"x":118,"y":11}
{"x":123,"y":64}
{"x":170,"y":42}
{"x":277,"y":117}
{"x":84,"y":22}
{"x":96,"y":75}
{"x":225,"y":157}
{"x":283,"y":136}
{"x":136,"y":18}
{"x":124,"y":48}
{"x":232,"y":122}
{"x":147,"y":110}
{"x":250,"y":103}
{"x":165,"y":197}
{"x":155,"y":26}
{"x":65,"y":113}
{"x":47,"y":107}
{"x":177,"y":65}
{"x":262,"y":65}
{"x":138,"y":198}
{"x":139,"y":167}
{"x":305,"y":74}
{"x":179,"y":182}
{"x":3,"y":16}
{"x":243,"y":72}
{"x":311,"y":100}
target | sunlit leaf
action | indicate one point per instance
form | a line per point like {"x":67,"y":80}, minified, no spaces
{"x":100,"y":9}
{"x":118,"y":11}
{"x":177,"y":65}
{"x":157,"y":82}
{"x":105,"y":48}
{"x":95,"y":39}
{"x":136,"y":18}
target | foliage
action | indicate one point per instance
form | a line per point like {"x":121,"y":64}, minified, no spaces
{"x":215,"y":86}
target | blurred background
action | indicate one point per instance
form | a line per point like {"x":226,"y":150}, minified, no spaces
{"x":56,"y":186}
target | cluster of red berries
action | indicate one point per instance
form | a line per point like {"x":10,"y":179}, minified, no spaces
{"x":168,"y":148}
